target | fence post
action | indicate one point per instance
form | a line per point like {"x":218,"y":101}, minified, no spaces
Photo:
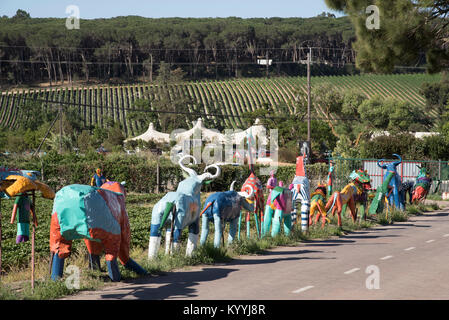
{"x":157,"y":176}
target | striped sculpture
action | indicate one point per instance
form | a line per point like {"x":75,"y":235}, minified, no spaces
{"x":300,"y":188}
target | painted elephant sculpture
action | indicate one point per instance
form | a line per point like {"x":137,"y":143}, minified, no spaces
{"x":223,"y":207}
{"x":97,"y":215}
{"x":280,"y":204}
{"x":179,"y":210}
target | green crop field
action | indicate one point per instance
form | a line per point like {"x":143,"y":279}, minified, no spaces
{"x":95,"y":104}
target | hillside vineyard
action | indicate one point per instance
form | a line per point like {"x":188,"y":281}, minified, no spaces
{"x":230,"y":98}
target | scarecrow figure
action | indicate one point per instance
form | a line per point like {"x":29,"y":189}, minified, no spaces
{"x":98,"y":179}
{"x":22,"y":206}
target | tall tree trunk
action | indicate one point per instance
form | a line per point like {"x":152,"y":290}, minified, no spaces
{"x":85,"y":67}
{"x":61,"y":74}
{"x":151,"y":67}
{"x":48,"y":67}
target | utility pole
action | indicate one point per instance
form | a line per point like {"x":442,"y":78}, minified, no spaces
{"x":267,"y":63}
{"x":60,"y":129}
{"x":309,"y":99}
{"x":309,"y":60}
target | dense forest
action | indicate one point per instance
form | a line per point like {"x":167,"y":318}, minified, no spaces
{"x":131,"y":48}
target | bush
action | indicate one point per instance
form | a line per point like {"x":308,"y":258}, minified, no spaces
{"x":140,"y":172}
{"x":287,"y":155}
{"x":412,"y":209}
{"x":398,"y":216}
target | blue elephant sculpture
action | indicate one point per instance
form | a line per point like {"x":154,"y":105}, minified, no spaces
{"x":222,"y":207}
{"x":180,"y":209}
{"x":397,"y":195}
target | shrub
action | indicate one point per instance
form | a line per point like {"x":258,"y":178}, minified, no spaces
{"x":139,"y":172}
{"x":412,"y":209}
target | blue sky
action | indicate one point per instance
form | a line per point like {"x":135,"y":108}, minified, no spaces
{"x":90,"y":9}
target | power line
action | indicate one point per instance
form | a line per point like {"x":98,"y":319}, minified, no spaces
{"x":146,"y":63}
{"x":197,"y":113}
{"x":144,"y":49}
{"x":212,"y":63}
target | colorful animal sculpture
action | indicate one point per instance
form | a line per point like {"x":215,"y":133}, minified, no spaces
{"x":280,"y":203}
{"x":395,"y":197}
{"x":253,"y":185}
{"x":346,"y":196}
{"x":300,"y":188}
{"x":179,"y":209}
{"x":318,"y":206}
{"x":271,"y":184}
{"x":377,"y":205}
{"x":97,"y":215}
{"x":221,"y":208}
{"x":422,"y":186}
{"x":361,"y":199}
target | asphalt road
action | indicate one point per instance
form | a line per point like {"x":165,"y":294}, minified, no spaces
{"x":408,"y":260}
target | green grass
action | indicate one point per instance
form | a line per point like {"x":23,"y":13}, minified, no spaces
{"x":403,"y":216}
{"x":435,"y":196}
{"x":412,"y":210}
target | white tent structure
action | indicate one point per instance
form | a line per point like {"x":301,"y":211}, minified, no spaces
{"x":258,"y":131}
{"x":206,"y":134}
{"x":417,"y":135}
{"x":152,"y":134}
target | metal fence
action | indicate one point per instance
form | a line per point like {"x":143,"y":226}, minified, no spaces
{"x":408,"y":171}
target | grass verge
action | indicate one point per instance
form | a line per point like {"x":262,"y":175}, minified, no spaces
{"x":15,"y":285}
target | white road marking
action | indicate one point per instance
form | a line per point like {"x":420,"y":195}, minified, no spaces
{"x":446,"y":235}
{"x":386,"y":258}
{"x":352,"y":270}
{"x":411,"y":248}
{"x":303,"y":289}
{"x":429,"y":241}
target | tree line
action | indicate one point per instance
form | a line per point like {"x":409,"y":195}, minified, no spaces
{"x":132,"y":48}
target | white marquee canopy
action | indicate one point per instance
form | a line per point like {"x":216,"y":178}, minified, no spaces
{"x":257,"y":130}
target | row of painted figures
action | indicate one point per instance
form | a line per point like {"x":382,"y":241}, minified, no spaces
{"x":181,"y":209}
{"x":98,"y":214}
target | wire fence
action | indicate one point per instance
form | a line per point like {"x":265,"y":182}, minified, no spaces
{"x":408,"y":170}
